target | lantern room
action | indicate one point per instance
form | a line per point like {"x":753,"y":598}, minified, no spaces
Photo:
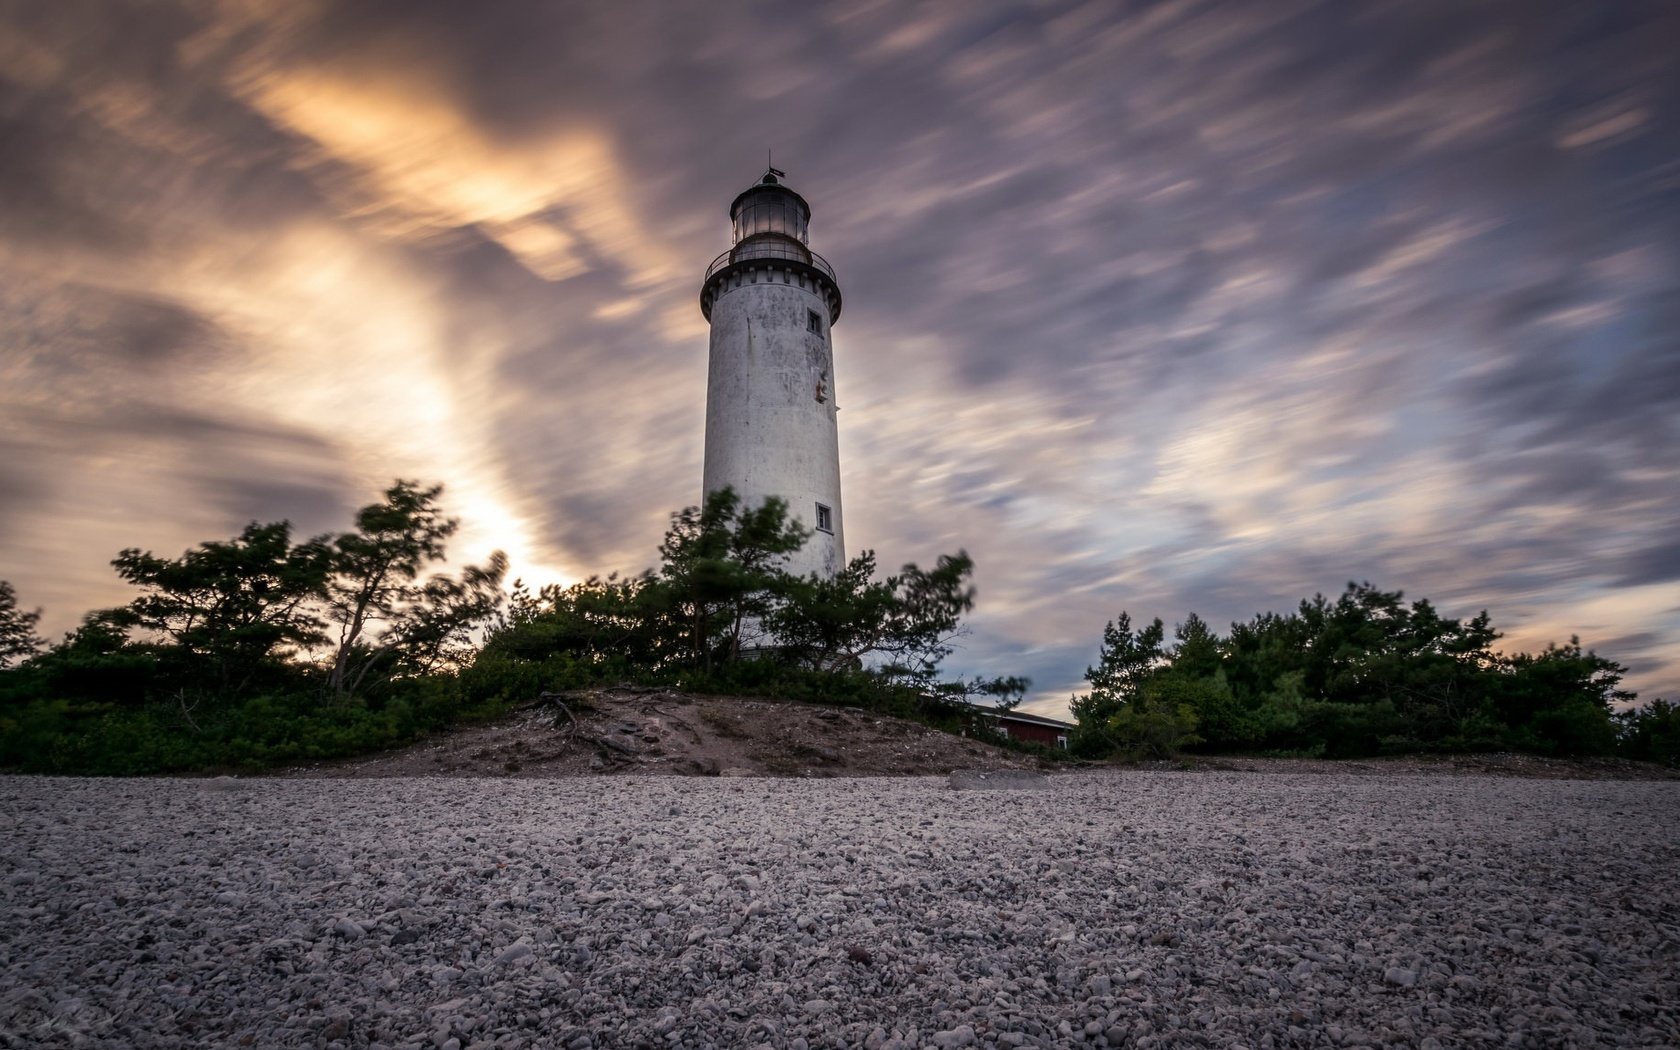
{"x":770,"y":208}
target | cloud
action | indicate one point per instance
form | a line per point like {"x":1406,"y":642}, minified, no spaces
{"x":414,"y":163}
{"x":1202,"y":305}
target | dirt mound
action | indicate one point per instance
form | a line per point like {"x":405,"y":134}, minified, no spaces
{"x":637,"y":730}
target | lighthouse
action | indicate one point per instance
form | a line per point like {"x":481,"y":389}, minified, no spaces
{"x":772,"y":426}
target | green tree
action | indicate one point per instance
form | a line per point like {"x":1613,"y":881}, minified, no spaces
{"x":1560,"y":701}
{"x":18,"y":641}
{"x":1195,"y":678}
{"x":435,"y":631}
{"x":1370,"y":647}
{"x":1161,"y":720}
{"x":373,"y":576}
{"x":1398,"y":676}
{"x":601,"y":621}
{"x":926,"y":617}
{"x":1262,"y":653}
{"x":834,"y":623}
{"x":1651,"y":733}
{"x":722,"y":594}
{"x":231,"y":606}
{"x":1127,"y":658}
{"x":1198,"y":652}
{"x":904,"y":625}
{"x":723,"y":573}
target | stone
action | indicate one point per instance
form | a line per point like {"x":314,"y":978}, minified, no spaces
{"x":997,"y":780}
{"x":349,"y":929}
{"x":513,"y":953}
{"x":1400,"y":977}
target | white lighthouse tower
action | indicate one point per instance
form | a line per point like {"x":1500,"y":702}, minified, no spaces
{"x":771,"y":423}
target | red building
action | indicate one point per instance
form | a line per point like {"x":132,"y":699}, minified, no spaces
{"x":1018,"y":725}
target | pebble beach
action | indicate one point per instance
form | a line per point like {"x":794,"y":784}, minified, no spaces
{"x":1090,"y":909}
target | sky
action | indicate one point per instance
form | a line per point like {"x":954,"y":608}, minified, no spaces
{"x":1158,"y":307}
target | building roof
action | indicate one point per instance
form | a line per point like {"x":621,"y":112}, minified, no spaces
{"x":1023,"y":717}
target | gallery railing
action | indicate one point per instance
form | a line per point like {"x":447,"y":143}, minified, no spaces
{"x":775,"y":250}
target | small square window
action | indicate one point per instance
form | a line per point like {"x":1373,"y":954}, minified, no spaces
{"x":825,"y":519}
{"x":813,"y":321}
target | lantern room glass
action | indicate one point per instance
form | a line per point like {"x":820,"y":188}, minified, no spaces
{"x":770,"y":210}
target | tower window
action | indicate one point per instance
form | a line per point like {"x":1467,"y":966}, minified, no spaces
{"x":825,"y":519}
{"x":813,"y":321}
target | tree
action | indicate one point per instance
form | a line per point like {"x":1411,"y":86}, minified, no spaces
{"x":435,"y":630}
{"x":18,"y":641}
{"x":230,"y":605}
{"x":906,"y":622}
{"x":723,"y":572}
{"x":1126,"y":660}
{"x":926,"y":616}
{"x":600,"y":621}
{"x":1199,"y":652}
{"x":721,"y":595}
{"x":1651,"y":733}
{"x":1160,"y":720}
{"x":1127,"y":657}
{"x":1560,"y":700}
{"x":832,"y":623}
{"x":1195,"y":678}
{"x":373,"y":574}
{"x":1369,"y":647}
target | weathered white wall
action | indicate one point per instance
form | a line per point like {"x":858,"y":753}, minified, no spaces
{"x":767,"y":434}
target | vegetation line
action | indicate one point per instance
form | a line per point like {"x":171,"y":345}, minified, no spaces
{"x":260,"y":651}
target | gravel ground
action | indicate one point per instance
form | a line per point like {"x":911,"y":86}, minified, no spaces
{"x":1132,"y":909}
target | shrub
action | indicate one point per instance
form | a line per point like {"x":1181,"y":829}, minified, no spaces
{"x":1154,"y":730}
{"x":1651,"y":733}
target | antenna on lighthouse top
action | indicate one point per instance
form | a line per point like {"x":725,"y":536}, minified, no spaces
{"x":771,"y":173}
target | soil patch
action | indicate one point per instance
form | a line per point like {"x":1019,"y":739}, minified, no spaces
{"x":655,"y":731}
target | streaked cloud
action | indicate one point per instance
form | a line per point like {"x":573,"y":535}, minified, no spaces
{"x":1187,"y":305}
